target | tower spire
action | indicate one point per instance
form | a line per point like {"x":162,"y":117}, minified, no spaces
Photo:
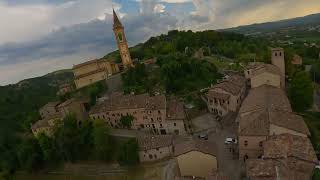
{"x":116,"y":21}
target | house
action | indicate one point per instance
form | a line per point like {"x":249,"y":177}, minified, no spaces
{"x":93,"y":71}
{"x":263,"y":74}
{"x":149,"y":113}
{"x":226,"y":96}
{"x":296,"y":60}
{"x":76,"y":106}
{"x":41,"y":126}
{"x":258,"y":73}
{"x":49,"y":109}
{"x":155,"y":147}
{"x":196,"y":158}
{"x":285,"y":156}
{"x":176,"y":117}
{"x":266,"y":112}
{"x":53,"y":112}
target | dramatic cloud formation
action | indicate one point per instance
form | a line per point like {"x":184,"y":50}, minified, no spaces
{"x":40,"y":36}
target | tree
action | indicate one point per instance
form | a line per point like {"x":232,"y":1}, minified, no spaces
{"x":128,"y":154}
{"x":126,"y":121}
{"x":48,"y":148}
{"x":30,"y":155}
{"x":101,"y":141}
{"x":301,"y":91}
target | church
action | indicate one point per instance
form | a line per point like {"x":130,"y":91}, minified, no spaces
{"x":96,"y":70}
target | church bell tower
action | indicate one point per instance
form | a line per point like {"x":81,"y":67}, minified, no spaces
{"x":119,"y":33}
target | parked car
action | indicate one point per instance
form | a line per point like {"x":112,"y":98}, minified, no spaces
{"x":230,"y":141}
{"x":203,"y":136}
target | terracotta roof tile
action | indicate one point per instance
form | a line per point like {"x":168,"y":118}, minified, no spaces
{"x":152,"y":142}
{"x":287,"y":145}
{"x":175,"y":110}
{"x":119,"y":101}
{"x":195,"y":145}
{"x":266,"y":97}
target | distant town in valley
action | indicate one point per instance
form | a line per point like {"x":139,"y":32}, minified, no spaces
{"x":239,"y":103}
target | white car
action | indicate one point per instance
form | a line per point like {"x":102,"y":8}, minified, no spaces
{"x":230,"y":141}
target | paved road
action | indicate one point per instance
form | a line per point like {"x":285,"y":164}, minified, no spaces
{"x":227,"y":154}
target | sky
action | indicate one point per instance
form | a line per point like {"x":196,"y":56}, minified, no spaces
{"x":41,"y":36}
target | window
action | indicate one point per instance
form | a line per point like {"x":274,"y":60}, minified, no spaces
{"x":160,"y":125}
{"x":150,"y":156}
{"x":157,"y":149}
{"x":159,"y":112}
{"x":245,"y":143}
{"x":103,"y":116}
{"x":175,"y":124}
{"x":280,"y":54}
{"x":260,"y":144}
{"x":248,"y":72}
{"x":120,"y":36}
{"x":275,"y":54}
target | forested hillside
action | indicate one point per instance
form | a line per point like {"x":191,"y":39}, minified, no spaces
{"x":19,"y":105}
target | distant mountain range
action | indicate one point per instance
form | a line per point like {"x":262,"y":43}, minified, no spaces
{"x":312,"y":22}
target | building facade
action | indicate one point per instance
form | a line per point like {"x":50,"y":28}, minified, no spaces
{"x":154,"y":148}
{"x":226,"y":96}
{"x":259,"y":74}
{"x":93,"y":71}
{"x":149,"y":113}
{"x":121,"y":39}
{"x":196,"y":159}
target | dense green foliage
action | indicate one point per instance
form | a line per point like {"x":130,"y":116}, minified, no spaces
{"x":102,"y":141}
{"x":128,"y":154}
{"x":231,"y":45}
{"x":182,"y":74}
{"x":126,"y":121}
{"x":136,"y":80}
{"x":316,"y":175}
{"x":313,"y":121}
{"x":19,"y":106}
{"x":92,"y":91}
{"x":301,"y":91}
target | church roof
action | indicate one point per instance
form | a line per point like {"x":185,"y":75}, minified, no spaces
{"x":116,"y":21}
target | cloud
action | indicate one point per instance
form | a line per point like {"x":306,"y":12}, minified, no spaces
{"x":159,"y":8}
{"x":24,"y":22}
{"x":40,"y":36}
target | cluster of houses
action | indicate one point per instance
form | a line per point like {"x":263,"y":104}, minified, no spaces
{"x":54,"y":112}
{"x":272,"y":139}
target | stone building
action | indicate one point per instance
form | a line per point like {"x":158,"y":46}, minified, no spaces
{"x":265,"y":112}
{"x":76,"y":106}
{"x":153,"y":148}
{"x":263,"y":74}
{"x":296,"y":60}
{"x":196,"y":158}
{"x":53,"y":112}
{"x":286,"y":157}
{"x":93,"y":71}
{"x":121,"y":39}
{"x":149,"y":113}
{"x":226,"y":96}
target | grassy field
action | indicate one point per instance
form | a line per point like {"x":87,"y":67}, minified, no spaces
{"x":137,"y":173}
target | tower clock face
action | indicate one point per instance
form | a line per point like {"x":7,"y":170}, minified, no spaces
{"x":120,"y":37}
